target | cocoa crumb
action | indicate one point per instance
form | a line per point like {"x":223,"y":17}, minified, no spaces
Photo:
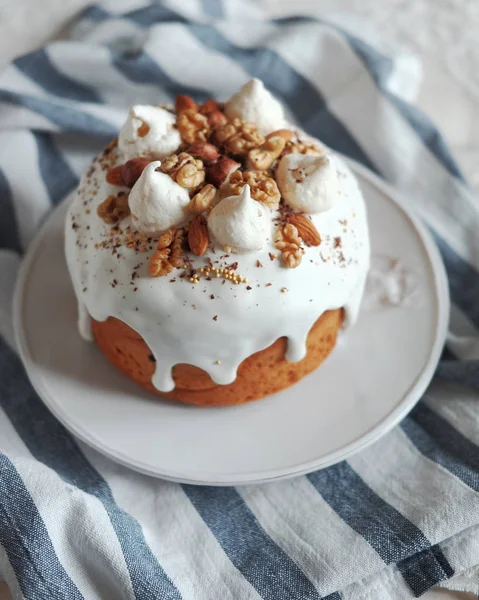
{"x":268,"y":284}
{"x":248,"y":287}
{"x":212,"y":297}
{"x":215,"y":318}
{"x":337,"y":242}
{"x":271,"y":256}
{"x":258,"y":264}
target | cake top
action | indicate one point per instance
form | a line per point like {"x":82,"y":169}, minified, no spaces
{"x":212,"y":236}
{"x":214,"y":174}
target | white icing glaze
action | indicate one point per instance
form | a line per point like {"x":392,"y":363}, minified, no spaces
{"x":255,"y":104}
{"x":176,"y":319}
{"x":156,"y":201}
{"x":161,"y":139}
{"x":240,"y":223}
{"x":308,"y":183}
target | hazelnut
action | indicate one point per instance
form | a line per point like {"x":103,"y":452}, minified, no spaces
{"x":209,"y":106}
{"x":132,"y":170}
{"x":216,"y":119}
{"x":185,"y":103}
{"x":205,"y":151}
{"x":218,"y":172}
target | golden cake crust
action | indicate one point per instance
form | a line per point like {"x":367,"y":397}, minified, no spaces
{"x":260,"y":375}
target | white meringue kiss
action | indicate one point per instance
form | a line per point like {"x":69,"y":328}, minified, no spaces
{"x":308,"y":183}
{"x":239,"y":223}
{"x":148,"y":131}
{"x":156,"y":201}
{"x":253,"y":103}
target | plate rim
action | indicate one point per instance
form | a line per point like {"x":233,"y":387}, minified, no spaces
{"x":405,"y":405}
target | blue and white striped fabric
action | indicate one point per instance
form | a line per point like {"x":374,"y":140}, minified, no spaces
{"x":390,"y":523}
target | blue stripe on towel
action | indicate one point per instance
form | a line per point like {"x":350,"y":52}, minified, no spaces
{"x":262,"y":562}
{"x":380,"y":67}
{"x":141,"y":68}
{"x":9,"y":236}
{"x":65,"y":117}
{"x":425,"y":569}
{"x":95,"y":13}
{"x":25,"y":538}
{"x":393,"y":537}
{"x":213,"y":8}
{"x":463,"y":280}
{"x":463,"y":372}
{"x":51,"y":444}
{"x":56,"y":173}
{"x":304,"y":100}
{"x":38,"y":67}
{"x":441,"y":442}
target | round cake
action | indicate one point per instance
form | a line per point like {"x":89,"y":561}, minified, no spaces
{"x":216,"y":250}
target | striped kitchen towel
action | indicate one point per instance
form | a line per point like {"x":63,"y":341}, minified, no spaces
{"x":388,"y":524}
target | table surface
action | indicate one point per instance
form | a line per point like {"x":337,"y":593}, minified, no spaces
{"x":449,"y":92}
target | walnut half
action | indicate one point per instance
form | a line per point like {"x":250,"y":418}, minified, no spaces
{"x":263,"y":188}
{"x":288,"y":241}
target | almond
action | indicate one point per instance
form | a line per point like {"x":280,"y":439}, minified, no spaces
{"x":183,"y":103}
{"x":286,"y":134}
{"x":205,"y":151}
{"x":306,"y":229}
{"x":132,"y":170}
{"x":218,"y":172}
{"x":216,"y":119}
{"x":114,"y":176}
{"x":209,"y":106}
{"x":198,"y":236}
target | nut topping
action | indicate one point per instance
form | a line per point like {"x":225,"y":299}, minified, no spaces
{"x":132,"y":170}
{"x":263,"y":188}
{"x":159,"y":264}
{"x":202,"y":200}
{"x":239,"y":137}
{"x":288,"y":241}
{"x":263,"y":158}
{"x":114,"y":209}
{"x":192,"y":126}
{"x":198,"y":236}
{"x":306,"y":229}
{"x":219,"y":171}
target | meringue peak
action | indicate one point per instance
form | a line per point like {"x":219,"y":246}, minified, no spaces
{"x":308,"y":183}
{"x":156,"y":201}
{"x":148,"y":131}
{"x":255,"y":104}
{"x":239,"y":222}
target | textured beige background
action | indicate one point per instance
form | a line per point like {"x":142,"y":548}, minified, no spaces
{"x":444,"y":35}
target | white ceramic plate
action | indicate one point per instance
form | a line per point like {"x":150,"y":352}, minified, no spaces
{"x":377,"y":372}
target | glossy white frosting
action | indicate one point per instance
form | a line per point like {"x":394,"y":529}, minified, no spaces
{"x":161,"y":139}
{"x":177,"y":318}
{"x":308,"y":183}
{"x":156,"y":201}
{"x":239,"y":223}
{"x":255,"y":104}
